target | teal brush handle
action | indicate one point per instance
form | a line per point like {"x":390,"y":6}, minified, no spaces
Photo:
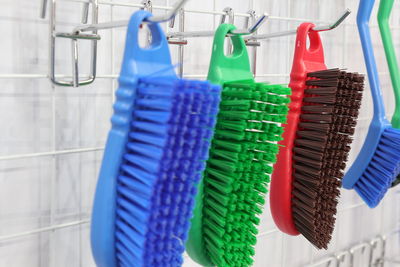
{"x":379,"y":121}
{"x":385,"y":9}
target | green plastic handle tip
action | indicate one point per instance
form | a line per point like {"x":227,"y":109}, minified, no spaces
{"x":385,"y":8}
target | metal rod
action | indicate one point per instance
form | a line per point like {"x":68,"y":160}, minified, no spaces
{"x":53,"y":35}
{"x":181,"y":46}
{"x":292,"y":32}
{"x":51,"y":153}
{"x":192,"y":34}
{"x":172,"y":13}
{"x":180,"y":34}
{"x":252,"y":20}
{"x":228,"y":12}
{"x":85,"y":12}
{"x":75,"y":63}
{"x":123,"y":23}
{"x":41,"y":230}
{"x":101,"y":26}
{"x":43,"y":9}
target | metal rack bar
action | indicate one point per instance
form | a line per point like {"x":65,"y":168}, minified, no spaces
{"x":198,"y":11}
{"x":51,"y":153}
{"x":43,"y":229}
{"x":124,"y":23}
{"x":329,"y":27}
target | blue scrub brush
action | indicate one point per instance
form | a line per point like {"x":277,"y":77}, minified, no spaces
{"x":154,"y":157}
{"x":378,"y":163}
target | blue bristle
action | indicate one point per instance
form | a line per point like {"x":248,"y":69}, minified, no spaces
{"x":382,"y":170}
{"x":172,"y":124}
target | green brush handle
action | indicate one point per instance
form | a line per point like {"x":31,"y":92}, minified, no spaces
{"x":385,"y":9}
{"x":234,"y":67}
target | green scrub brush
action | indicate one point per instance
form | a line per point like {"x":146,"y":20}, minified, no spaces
{"x":244,"y":149}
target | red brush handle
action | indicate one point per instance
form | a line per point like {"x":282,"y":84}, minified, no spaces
{"x":305,"y":60}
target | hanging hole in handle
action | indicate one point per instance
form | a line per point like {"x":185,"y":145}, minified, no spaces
{"x":228,"y":46}
{"x":145,"y":37}
{"x":312,"y":41}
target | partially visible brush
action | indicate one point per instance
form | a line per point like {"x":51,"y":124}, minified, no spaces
{"x":378,"y":163}
{"x":385,"y":9}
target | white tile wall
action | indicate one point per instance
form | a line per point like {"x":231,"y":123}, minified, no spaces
{"x":53,"y":194}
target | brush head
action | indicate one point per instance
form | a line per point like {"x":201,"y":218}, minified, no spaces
{"x":382,"y":169}
{"x":238,"y":171}
{"x":330,"y":108}
{"x":171,"y":128}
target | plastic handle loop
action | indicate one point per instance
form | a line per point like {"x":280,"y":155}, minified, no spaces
{"x":137,"y":63}
{"x":385,"y":8}
{"x":154,"y":59}
{"x":233,"y":67}
{"x":363,"y":17}
{"x":305,"y":60}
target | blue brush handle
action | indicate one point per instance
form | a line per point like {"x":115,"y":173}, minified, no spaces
{"x":153,"y":60}
{"x":137,"y":63}
{"x":379,"y":121}
{"x":363,"y":17}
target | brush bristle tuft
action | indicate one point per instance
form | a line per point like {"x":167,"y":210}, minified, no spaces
{"x":171,"y":129}
{"x":238,"y":171}
{"x":382,"y":170}
{"x":330,"y":109}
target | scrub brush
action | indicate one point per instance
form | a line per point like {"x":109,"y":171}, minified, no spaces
{"x":155,"y":153}
{"x":385,"y":8}
{"x":378,"y":162}
{"x":323,"y":111}
{"x":244,"y":148}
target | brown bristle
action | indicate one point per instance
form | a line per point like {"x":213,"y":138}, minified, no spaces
{"x":330,"y":108}
{"x":321,"y":91}
{"x":326,"y":99}
{"x":312,"y":135}
{"x":321,"y":109}
{"x":329,"y":82}
{"x":320,"y":118}
{"x":319,"y":127}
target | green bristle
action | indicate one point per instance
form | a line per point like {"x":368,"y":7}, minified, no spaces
{"x":237,"y":174}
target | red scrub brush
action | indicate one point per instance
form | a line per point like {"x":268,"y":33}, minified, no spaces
{"x":322,"y":117}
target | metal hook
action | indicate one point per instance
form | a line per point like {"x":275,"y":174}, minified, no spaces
{"x":171,"y":14}
{"x":115,"y":24}
{"x":332,"y":26}
{"x":74,"y":46}
{"x":228,"y":12}
{"x":363,"y":248}
{"x":344,"y":257}
{"x":377,"y":244}
{"x":251,"y":23}
{"x":248,"y":31}
{"x":85,"y":11}
{"x":179,"y":41}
